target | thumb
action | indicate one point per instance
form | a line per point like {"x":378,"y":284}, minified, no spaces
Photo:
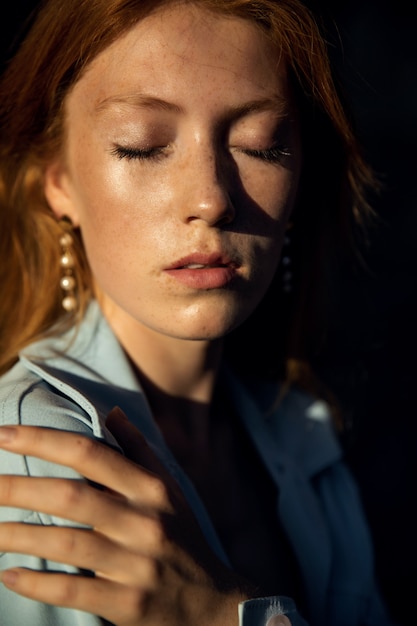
{"x":132,"y":442}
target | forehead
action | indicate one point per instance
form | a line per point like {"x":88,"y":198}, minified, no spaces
{"x":181,"y":51}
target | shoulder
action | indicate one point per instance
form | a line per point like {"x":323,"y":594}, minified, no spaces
{"x":27,"y":398}
{"x":66,"y":380}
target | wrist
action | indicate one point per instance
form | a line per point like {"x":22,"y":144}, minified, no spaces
{"x":269,"y":611}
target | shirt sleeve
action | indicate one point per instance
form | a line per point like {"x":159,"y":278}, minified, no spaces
{"x":38,"y":405}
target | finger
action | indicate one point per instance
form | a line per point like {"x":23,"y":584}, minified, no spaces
{"x":76,"y":500}
{"x":84,"y":549}
{"x":112,"y":601}
{"x":90,"y":458}
{"x":57,"y":496}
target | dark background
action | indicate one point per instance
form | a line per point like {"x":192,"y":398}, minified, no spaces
{"x":371,"y":358}
{"x":370,"y":361}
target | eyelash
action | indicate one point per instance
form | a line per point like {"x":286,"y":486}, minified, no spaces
{"x":139,"y":154}
{"x":272,"y":155}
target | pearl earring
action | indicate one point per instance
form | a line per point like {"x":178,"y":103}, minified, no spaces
{"x":67,"y":263}
{"x":286,"y":269}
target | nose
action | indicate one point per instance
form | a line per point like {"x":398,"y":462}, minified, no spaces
{"x":208,"y":185}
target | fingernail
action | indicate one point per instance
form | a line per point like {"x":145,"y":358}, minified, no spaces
{"x":7,"y":434}
{"x":9,"y":577}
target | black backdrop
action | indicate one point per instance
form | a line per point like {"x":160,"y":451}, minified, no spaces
{"x":371,"y":358}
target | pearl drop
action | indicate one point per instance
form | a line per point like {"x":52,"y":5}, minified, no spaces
{"x":66,"y":240}
{"x":67,"y":260}
{"x":69,"y":303}
{"x":67,"y":283}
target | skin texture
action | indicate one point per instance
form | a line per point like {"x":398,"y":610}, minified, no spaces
{"x":181,"y":170}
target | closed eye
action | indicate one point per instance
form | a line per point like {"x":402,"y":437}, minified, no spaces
{"x":271,"y":155}
{"x":140,"y":154}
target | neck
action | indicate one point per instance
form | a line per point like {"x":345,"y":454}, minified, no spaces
{"x":179,"y":378}
{"x":178,"y":368}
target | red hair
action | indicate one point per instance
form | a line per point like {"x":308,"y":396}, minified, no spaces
{"x":64,"y":38}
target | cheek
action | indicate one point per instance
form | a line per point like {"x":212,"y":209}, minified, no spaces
{"x":274,"y":198}
{"x":123,"y":231}
{"x":272,"y":189}
{"x":113,"y":202}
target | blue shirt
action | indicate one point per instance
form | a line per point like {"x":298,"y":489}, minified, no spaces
{"x":72,"y":381}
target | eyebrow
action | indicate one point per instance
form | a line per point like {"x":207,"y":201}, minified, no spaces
{"x":276,"y":103}
{"x":139,"y":101}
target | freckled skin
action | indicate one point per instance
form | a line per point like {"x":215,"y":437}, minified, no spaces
{"x":201,"y":193}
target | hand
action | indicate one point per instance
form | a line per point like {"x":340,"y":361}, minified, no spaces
{"x":150,"y":561}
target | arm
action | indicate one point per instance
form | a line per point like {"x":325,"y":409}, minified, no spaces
{"x":162,"y":572}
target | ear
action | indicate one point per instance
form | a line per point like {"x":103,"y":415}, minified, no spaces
{"x":57,"y":189}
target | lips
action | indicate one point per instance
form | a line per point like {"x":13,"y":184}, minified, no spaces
{"x":196,"y":266}
{"x":201,"y":261}
{"x":203,"y":271}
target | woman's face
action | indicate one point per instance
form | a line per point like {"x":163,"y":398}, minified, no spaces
{"x":181,"y":169}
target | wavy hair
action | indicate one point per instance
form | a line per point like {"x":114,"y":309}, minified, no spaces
{"x":283,"y":334}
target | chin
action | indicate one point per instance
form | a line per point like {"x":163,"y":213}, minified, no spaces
{"x":212,"y":328}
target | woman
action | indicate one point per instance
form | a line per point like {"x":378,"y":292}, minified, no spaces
{"x":156,"y":159}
